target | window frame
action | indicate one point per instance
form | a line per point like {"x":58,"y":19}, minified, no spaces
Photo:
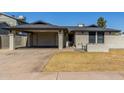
{"x":92,"y":38}
{"x":100,"y":36}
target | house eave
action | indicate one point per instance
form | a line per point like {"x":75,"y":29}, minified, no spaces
{"x":32,"y":29}
{"x":95,"y":30}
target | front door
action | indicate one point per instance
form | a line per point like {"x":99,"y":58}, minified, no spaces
{"x":71,"y":39}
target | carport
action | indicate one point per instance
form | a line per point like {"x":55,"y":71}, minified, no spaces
{"x":40,"y":34}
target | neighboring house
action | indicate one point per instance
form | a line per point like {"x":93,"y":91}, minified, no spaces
{"x":9,"y":21}
{"x":89,"y":38}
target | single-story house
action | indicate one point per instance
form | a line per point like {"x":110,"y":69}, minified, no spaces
{"x":89,"y":38}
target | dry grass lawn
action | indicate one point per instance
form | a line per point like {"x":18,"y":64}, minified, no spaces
{"x":79,"y":61}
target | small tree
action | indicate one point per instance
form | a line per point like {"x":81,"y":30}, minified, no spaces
{"x":101,"y":22}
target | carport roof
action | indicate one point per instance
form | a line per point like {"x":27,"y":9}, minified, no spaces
{"x":39,"y":25}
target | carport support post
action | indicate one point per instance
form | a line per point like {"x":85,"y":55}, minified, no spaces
{"x":29,"y":40}
{"x":67,"y":40}
{"x":12,"y":40}
{"x":96,"y":38}
{"x":60,"y":39}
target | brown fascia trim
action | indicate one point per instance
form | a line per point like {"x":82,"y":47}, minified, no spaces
{"x":93,"y":31}
{"x":36,"y":28}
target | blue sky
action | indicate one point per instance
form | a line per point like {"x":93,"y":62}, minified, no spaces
{"x":114,"y":19}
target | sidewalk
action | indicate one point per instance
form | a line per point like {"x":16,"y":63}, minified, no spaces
{"x":63,"y":76}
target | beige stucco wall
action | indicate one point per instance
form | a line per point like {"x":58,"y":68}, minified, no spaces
{"x":114,"y":41}
{"x":110,"y":42}
{"x":45,"y":39}
{"x":8,"y":20}
{"x":97,"y":48}
{"x":81,"y":39}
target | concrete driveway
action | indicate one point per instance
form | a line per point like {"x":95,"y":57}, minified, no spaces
{"x":24,"y":60}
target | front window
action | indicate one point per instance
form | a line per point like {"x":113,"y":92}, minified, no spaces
{"x":92,"y":37}
{"x":100,"y":37}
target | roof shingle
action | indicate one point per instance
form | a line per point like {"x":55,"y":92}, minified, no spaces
{"x":46,"y":26}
